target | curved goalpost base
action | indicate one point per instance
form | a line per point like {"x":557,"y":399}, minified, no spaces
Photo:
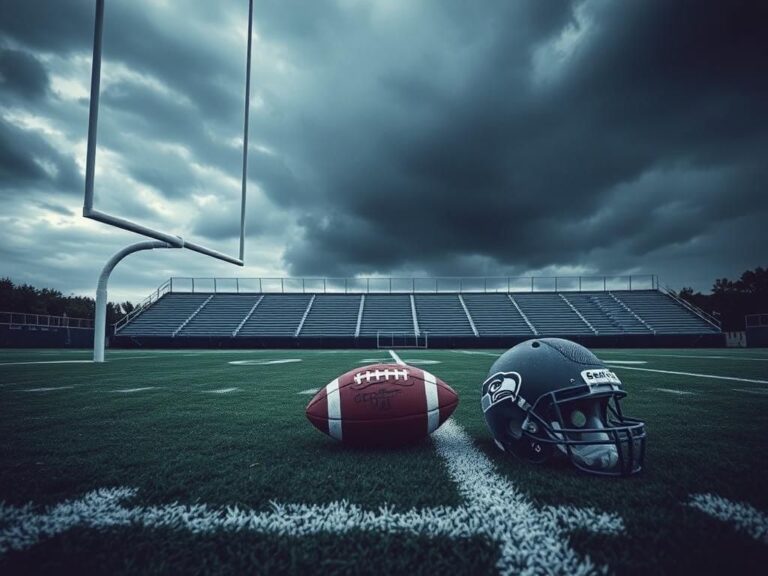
{"x":100,"y":323}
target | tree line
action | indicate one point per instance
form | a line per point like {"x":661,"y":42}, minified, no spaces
{"x":731,"y":300}
{"x":30,"y":300}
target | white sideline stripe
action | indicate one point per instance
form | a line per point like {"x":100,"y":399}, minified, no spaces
{"x":679,"y":392}
{"x":263,"y":362}
{"x":132,"y":390}
{"x":45,"y":389}
{"x":712,"y":376}
{"x":423,"y":362}
{"x":477,"y":353}
{"x":743,"y":517}
{"x":433,"y":404}
{"x":396,"y":358}
{"x":625,"y":362}
{"x":309,"y":391}
{"x":759,"y":392}
{"x":531,"y":540}
{"x":220,"y":391}
{"x":334,"y":409}
{"x":47,"y":362}
{"x":71,"y":361}
{"x":734,"y":357}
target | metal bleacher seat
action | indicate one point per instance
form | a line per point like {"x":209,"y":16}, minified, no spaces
{"x":165,"y":315}
{"x":277,"y":315}
{"x":221,"y":316}
{"x":551,"y":315}
{"x":495,"y":315}
{"x":442,"y":315}
{"x":332,"y":315}
{"x":662,"y":313}
{"x":386,"y":313}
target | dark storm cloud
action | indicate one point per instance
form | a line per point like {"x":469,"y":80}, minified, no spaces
{"x":514,"y":168}
{"x":22,"y":74}
{"x":28,"y":159}
{"x":397,"y":137}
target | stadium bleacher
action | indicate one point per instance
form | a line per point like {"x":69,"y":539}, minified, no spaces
{"x":460,"y":315}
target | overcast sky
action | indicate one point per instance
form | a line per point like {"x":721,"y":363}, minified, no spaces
{"x":389,"y":137}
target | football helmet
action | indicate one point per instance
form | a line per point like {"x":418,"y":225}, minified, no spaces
{"x":548,"y":395}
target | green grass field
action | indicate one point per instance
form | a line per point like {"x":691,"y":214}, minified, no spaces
{"x":188,"y":428}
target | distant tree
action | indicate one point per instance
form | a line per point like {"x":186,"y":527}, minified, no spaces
{"x":731,"y":300}
{"x":30,"y":300}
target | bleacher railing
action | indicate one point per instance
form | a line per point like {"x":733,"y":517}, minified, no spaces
{"x":403,"y":285}
{"x":692,"y":307}
{"x":162,"y":290}
{"x":43,"y":321}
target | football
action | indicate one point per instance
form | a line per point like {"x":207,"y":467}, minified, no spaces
{"x":382,"y":404}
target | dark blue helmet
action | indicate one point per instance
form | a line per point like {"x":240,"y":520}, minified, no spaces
{"x":548,"y":396}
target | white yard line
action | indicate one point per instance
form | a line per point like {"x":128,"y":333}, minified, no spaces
{"x":263,"y":362}
{"x":759,"y":391}
{"x":309,"y":391}
{"x":625,"y":361}
{"x":45,"y":389}
{"x":72,"y":361}
{"x":711,"y":376}
{"x":220,"y":391}
{"x":132,"y":390}
{"x":672,"y":391}
{"x":530,"y":539}
{"x":396,"y":358}
{"x":477,"y":353}
{"x":743,"y":517}
{"x":47,"y":362}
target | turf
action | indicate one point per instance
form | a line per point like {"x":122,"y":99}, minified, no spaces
{"x":175,"y":440}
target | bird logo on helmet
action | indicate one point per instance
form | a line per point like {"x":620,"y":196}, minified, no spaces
{"x":549,"y":396}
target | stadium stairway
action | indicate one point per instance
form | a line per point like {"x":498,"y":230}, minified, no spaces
{"x":550,"y":314}
{"x":221,"y":316}
{"x":165,"y":316}
{"x":332,"y":315}
{"x":495,"y":315}
{"x":387,"y":313}
{"x":277,"y":315}
{"x":662,"y":313}
{"x":442,"y":314}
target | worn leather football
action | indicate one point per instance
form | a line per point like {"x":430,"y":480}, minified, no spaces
{"x":382,"y":404}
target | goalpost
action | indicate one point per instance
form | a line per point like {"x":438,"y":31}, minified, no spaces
{"x":161,"y":239}
{"x":389,"y":340}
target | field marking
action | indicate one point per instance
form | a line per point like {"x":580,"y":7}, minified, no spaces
{"x":625,"y":362}
{"x":47,"y":362}
{"x":530,"y":539}
{"x":375,"y":361}
{"x":132,"y":390}
{"x":743,"y":517}
{"x":264,"y":362}
{"x":422,"y":362}
{"x":759,"y":392}
{"x":220,"y":391}
{"x":695,"y":357}
{"x":711,"y":376}
{"x":477,"y":353}
{"x":309,"y":391}
{"x":70,"y":361}
{"x":45,"y":389}
{"x":396,"y":358}
{"x":679,"y":392}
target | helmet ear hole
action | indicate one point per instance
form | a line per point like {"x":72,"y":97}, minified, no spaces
{"x":531,"y":451}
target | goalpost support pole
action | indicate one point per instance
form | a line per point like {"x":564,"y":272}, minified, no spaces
{"x":100,"y":324}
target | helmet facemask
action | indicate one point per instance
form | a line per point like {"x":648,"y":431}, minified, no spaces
{"x":589,"y":429}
